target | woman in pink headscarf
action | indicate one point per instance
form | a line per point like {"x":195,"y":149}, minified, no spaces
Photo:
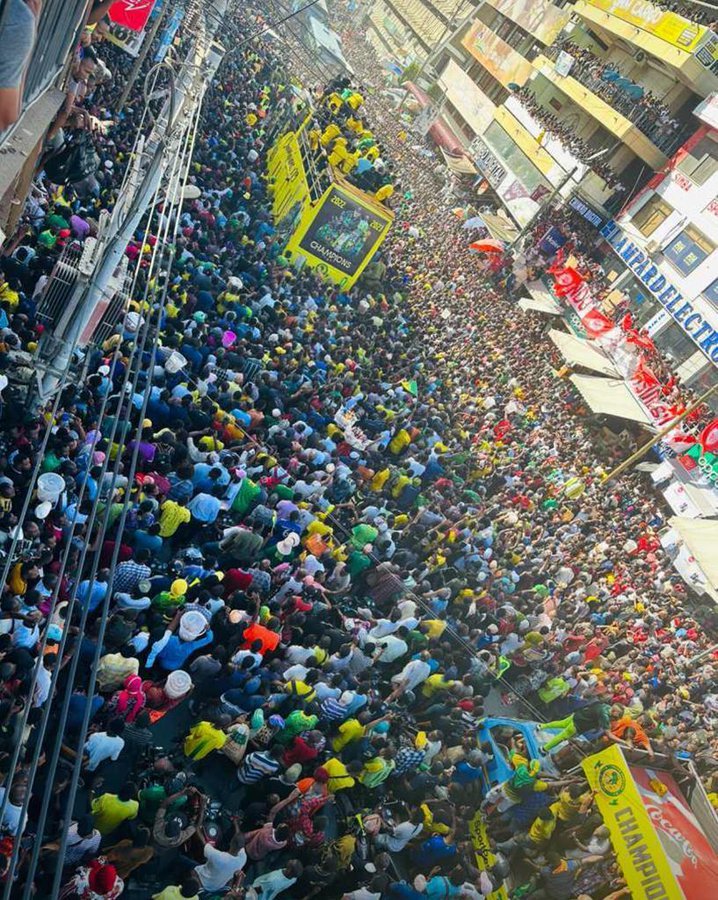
{"x":127,"y":702}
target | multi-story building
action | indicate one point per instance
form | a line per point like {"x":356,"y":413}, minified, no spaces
{"x":588,"y":97}
{"x":407,"y":31}
{"x":665,"y":254}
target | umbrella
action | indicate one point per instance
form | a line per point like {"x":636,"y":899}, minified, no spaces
{"x":474,"y":222}
{"x":488,"y":245}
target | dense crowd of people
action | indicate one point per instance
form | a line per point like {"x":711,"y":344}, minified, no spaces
{"x":346,"y":526}
{"x":567,"y":137}
{"x":641,"y":106}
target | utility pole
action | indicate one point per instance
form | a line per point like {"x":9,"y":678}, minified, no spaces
{"x":641,"y":452}
{"x":141,"y":57}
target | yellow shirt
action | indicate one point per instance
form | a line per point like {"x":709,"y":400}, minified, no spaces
{"x":349,"y":731}
{"x":436,"y":627}
{"x":109,"y":812}
{"x":300,"y":689}
{"x":541,"y":830}
{"x":173,"y":892}
{"x":339,"y":777}
{"x":435,"y":683}
{"x":172,"y":515}
{"x":400,"y":440}
{"x":202,"y":740}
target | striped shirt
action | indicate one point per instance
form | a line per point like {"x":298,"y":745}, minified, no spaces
{"x":257,"y":766}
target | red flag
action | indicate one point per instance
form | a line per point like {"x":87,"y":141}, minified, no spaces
{"x":596,"y":323}
{"x":132,"y":14}
{"x":640,"y":340}
{"x":643,"y":375}
{"x":709,"y":437}
{"x":566,"y":281}
{"x":626,"y":322}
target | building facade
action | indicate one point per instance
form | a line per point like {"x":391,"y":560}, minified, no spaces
{"x":664,"y":248}
{"x":573,"y":98}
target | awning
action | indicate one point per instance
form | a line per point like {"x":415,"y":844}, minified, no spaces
{"x":527,"y":303}
{"x":540,"y":300}
{"x":580,"y":353}
{"x":444,"y":137}
{"x":700,"y":536}
{"x":610,"y":397}
{"x":500,"y":228}
{"x":460,"y":165}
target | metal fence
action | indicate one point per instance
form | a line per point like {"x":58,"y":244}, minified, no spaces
{"x":57,"y":32}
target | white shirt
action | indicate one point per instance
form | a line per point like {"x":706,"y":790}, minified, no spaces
{"x":101,"y":746}
{"x":272,"y":883}
{"x":220,"y":868}
{"x":413,"y":673}
{"x":393,"y":647}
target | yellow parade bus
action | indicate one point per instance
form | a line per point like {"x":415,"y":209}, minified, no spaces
{"x":323,"y":221}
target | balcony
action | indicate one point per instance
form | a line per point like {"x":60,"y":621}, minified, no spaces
{"x":671,"y":37}
{"x":626,"y":100}
{"x":555,"y":149}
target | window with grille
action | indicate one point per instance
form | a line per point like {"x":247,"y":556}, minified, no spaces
{"x":652,"y":215}
{"x":702,"y":161}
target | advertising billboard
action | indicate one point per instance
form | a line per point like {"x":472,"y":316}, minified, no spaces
{"x":539,"y":17}
{"x":505,"y":64}
{"x":343,"y":232}
{"x":472,"y":103}
{"x":660,"y":845}
{"x":668,"y":26}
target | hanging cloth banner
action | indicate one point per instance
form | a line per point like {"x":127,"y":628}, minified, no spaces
{"x":132,"y":14}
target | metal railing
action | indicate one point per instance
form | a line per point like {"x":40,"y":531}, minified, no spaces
{"x":662,"y":134}
{"x":57,"y":33}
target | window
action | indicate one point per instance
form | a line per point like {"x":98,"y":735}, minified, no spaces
{"x":711,"y":292}
{"x":651,"y":215}
{"x":688,"y":250}
{"x":702,"y":161}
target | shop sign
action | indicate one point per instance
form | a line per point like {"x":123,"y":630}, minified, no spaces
{"x":685,"y":253}
{"x":487,"y":162}
{"x":707,"y":54}
{"x":702,"y":333}
{"x":667,"y":26}
{"x":589,"y":214}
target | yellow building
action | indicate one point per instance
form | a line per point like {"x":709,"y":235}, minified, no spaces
{"x":558,"y":97}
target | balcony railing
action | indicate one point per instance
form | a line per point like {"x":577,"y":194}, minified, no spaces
{"x":663,"y":132}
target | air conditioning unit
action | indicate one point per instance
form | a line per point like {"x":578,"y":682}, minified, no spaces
{"x":652,"y":247}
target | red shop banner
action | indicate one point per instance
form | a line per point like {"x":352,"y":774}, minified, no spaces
{"x":132,"y":14}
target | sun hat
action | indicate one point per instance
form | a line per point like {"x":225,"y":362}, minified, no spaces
{"x":178,"y":684}
{"x":192,"y":625}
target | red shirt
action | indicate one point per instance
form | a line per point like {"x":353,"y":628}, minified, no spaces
{"x":235,"y":580}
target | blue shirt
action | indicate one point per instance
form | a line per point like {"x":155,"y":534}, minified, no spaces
{"x":204,"y":508}
{"x":91,"y":595}
{"x":176,"y":652}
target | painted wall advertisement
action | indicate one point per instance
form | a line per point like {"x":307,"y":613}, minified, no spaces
{"x":649,"y":17}
{"x":504,"y":63}
{"x":539,"y":17}
{"x":475,"y":107}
